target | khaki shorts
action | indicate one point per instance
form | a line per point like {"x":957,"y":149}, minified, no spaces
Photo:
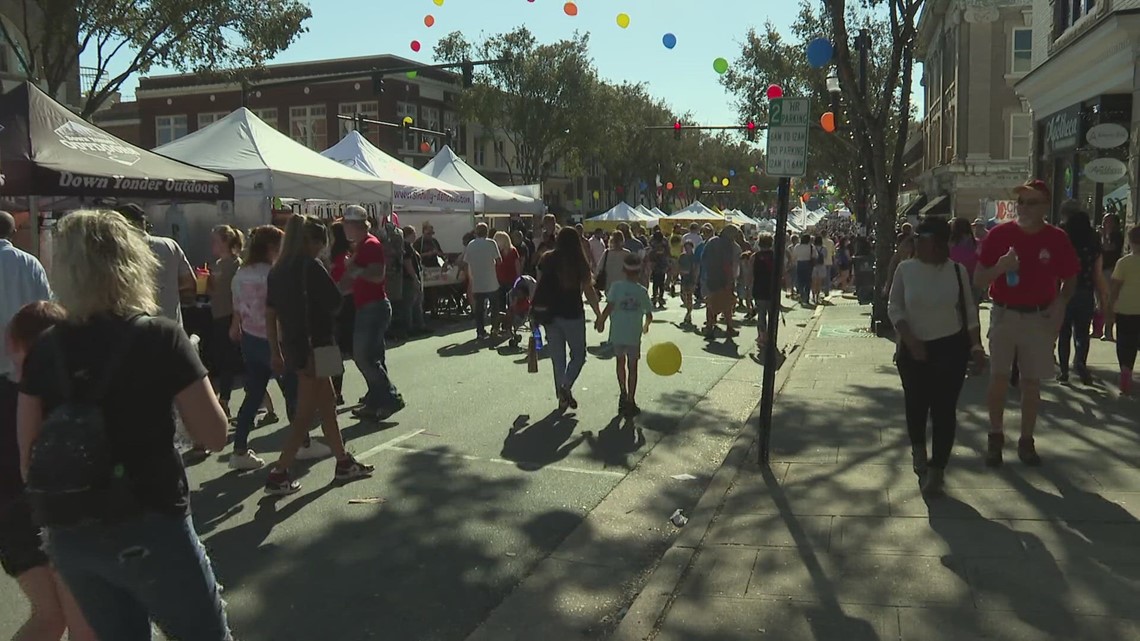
{"x":1026,"y":336}
{"x":721,"y":301}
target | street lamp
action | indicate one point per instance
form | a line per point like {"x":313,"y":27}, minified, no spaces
{"x":833,"y":82}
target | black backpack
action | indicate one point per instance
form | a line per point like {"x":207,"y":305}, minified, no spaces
{"x":74,"y":475}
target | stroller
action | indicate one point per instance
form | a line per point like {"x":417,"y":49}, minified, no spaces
{"x":518,"y":308}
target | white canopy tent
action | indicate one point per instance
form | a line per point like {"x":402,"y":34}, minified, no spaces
{"x":624,"y":213}
{"x":416,"y":197}
{"x":645,"y":210}
{"x":658,"y":213}
{"x":696,"y":211}
{"x":489,"y":197}
{"x":265,"y":164}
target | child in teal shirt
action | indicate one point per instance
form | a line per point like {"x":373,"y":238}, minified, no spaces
{"x":631,"y":312}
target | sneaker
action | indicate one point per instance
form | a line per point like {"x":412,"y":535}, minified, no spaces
{"x":1027,"y":452}
{"x":570,"y":399}
{"x":386,"y":413}
{"x":278,"y":483}
{"x":935,"y":480}
{"x":314,"y":450}
{"x":268,"y":419}
{"x":348,"y":468}
{"x":563,"y":402}
{"x":731,"y":333}
{"x":1085,"y":376}
{"x":634,"y":410}
{"x":993,"y":451}
{"x":246,"y":462}
{"x":1063,"y":377}
{"x":366,"y":413}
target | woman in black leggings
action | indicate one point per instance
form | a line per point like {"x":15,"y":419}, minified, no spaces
{"x":932,"y":308}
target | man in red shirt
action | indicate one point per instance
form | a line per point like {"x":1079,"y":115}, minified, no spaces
{"x":365,"y":277}
{"x":1030,"y":268}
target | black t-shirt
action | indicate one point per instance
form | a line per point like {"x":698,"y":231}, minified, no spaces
{"x":1088,"y":253}
{"x":11,"y":483}
{"x":159,"y":363}
{"x":423,"y":245}
{"x":762,"y":265}
{"x":562,"y":302}
{"x":306,"y":321}
{"x":411,"y":254}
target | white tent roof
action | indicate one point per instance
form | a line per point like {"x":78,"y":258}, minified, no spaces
{"x":737,"y":217}
{"x":489,"y":197}
{"x":648,"y":212}
{"x":412,"y":190}
{"x":266,"y":163}
{"x":695,"y":211}
{"x":657,"y":212}
{"x":623,"y":213}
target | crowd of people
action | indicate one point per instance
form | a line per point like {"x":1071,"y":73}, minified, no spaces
{"x":1047,"y":284}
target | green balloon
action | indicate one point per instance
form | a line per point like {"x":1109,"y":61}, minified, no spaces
{"x":720,"y":65}
{"x":697,"y":184}
{"x":413,"y":74}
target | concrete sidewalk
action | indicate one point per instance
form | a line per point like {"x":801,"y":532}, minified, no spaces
{"x":834,"y":540}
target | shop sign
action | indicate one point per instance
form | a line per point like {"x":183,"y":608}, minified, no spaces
{"x":1107,"y":136}
{"x":1063,"y":129}
{"x":1105,"y":170}
{"x":1006,"y":210}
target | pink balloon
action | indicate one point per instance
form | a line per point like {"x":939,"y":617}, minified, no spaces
{"x":416,"y":47}
{"x":775,"y":91}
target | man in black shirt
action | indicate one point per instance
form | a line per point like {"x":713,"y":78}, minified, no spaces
{"x":430,"y":251}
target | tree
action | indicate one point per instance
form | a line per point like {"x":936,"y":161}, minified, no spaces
{"x":541,"y":99}
{"x":135,"y":35}
{"x":628,"y":152}
{"x":880,"y":112}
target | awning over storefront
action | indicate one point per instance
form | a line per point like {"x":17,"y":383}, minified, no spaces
{"x":940,"y":206}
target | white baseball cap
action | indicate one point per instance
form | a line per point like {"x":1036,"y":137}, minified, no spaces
{"x":355,"y":214}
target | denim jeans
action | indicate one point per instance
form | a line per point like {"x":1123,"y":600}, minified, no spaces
{"x":152,"y":567}
{"x":258,"y":373}
{"x":483,"y":302}
{"x":803,"y":279}
{"x":1075,"y":331}
{"x":560,"y":334}
{"x":369,"y":353}
{"x":412,"y":308}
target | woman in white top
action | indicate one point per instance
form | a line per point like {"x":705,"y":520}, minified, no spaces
{"x":932,"y":308}
{"x":613,"y":261}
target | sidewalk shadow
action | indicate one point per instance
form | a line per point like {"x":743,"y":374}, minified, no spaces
{"x":463,"y":349}
{"x":728,"y":349}
{"x":613,"y":445}
{"x":545,"y":442}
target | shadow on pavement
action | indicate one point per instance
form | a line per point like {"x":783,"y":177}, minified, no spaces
{"x":546,"y":441}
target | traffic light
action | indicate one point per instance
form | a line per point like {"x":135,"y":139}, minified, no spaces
{"x":449,"y":138}
{"x":468,"y":74}
{"x":377,"y":84}
{"x":406,"y":122}
{"x":677,"y":130}
{"x":750,"y":131}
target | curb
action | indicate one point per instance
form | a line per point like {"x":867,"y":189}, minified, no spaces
{"x":649,"y":608}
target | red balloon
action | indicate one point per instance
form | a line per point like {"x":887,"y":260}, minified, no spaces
{"x":415,"y":45}
{"x":755,"y":189}
{"x":669,"y":186}
{"x":775,"y":91}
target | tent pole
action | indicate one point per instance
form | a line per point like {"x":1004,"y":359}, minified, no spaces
{"x":34,"y":219}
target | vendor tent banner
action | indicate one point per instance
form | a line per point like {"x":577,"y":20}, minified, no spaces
{"x":47,"y":150}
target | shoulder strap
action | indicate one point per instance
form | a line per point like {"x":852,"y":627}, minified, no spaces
{"x":961,"y":298}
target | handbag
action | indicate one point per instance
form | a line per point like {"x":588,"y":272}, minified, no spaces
{"x":327,"y":359}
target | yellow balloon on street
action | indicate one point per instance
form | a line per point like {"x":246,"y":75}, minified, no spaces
{"x":623,"y":20}
{"x":664,"y":359}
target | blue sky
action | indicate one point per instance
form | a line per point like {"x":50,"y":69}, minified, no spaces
{"x":683,"y":76}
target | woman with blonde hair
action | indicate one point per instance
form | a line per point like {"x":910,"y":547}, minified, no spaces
{"x":301,"y":305}
{"x":96,"y":436}
{"x":507,"y":271}
{"x":225,"y":359}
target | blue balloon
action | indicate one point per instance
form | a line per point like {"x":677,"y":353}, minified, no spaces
{"x":669,"y":40}
{"x":820,"y":52}
{"x":732,"y":173}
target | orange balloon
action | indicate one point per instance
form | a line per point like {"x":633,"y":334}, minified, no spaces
{"x":669,"y":186}
{"x":805,"y":197}
{"x":570,"y":8}
{"x":429,"y":20}
{"x":827,"y":121}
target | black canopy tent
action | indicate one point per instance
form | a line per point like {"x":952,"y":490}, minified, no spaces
{"x":46,"y":150}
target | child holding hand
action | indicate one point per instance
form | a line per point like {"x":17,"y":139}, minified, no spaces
{"x":631,"y":311}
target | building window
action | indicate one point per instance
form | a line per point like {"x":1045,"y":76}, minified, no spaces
{"x":1070,"y":12}
{"x":500,"y":154}
{"x":169,"y":128}
{"x":480,"y":153}
{"x":409,"y":140}
{"x":370,"y":110}
{"x":1022,"y":61}
{"x":309,"y":126}
{"x":1020,"y":127}
{"x":205,"y":120}
{"x":458,"y":132}
{"x":269,"y":116}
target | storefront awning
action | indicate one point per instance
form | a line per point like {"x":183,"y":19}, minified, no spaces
{"x":940,"y":206}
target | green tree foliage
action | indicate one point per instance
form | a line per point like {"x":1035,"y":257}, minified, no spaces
{"x":540,"y":100}
{"x":126,"y":37}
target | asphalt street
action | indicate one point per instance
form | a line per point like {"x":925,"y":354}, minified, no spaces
{"x":476,"y":481}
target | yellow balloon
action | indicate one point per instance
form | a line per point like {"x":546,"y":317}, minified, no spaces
{"x":439,"y":3}
{"x":623,"y":20}
{"x":664,"y":359}
{"x":724,"y":182}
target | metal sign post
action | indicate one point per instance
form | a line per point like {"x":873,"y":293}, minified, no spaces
{"x":787,"y":158}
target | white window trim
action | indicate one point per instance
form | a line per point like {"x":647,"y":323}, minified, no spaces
{"x":168,"y":119}
{"x":1013,"y":50}
{"x":208,"y":118}
{"x":1028,"y":129}
{"x":274,"y":122}
{"x":310,"y":117}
